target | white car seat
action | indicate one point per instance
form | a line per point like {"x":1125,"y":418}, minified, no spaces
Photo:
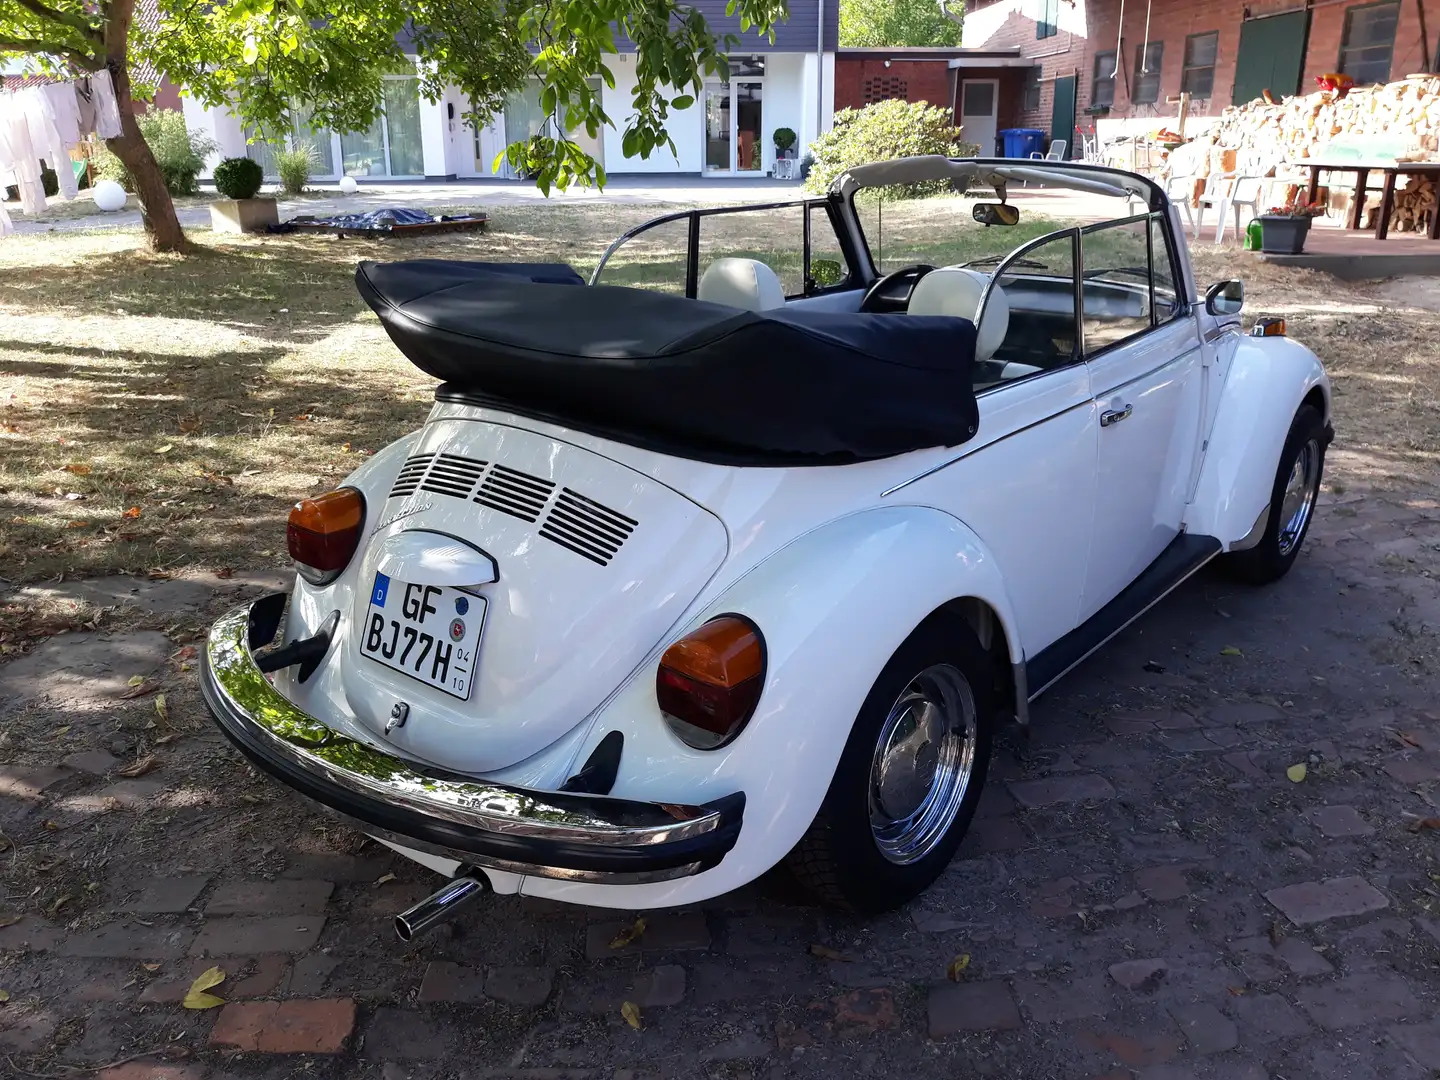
{"x":741,"y":283}
{"x":956,"y":290}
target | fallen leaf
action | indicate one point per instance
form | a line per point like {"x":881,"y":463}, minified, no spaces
{"x":76,"y":524}
{"x":345,"y":449}
{"x":384,"y":879}
{"x":151,"y":967}
{"x":196,"y":998}
{"x":4,"y":995}
{"x":160,"y":707}
{"x":1231,"y":650}
{"x":956,"y":968}
{"x":139,"y":767}
{"x":824,"y":952}
{"x":1238,"y":991}
{"x":1409,"y":739}
{"x":627,"y":935}
{"x":189,"y":425}
{"x":1153,"y":668}
{"x":631,"y":1012}
{"x":54,"y":908}
{"x":158,"y":575}
{"x":9,"y":920}
{"x":139,"y":689}
{"x":1296,"y":773}
{"x":164,"y":449}
{"x":225,"y":572}
{"x":132,"y":513}
{"x":78,"y":469}
{"x":59,"y":731}
{"x":186,"y":652}
{"x":51,"y":826}
{"x":1425,"y":823}
{"x":163,"y":739}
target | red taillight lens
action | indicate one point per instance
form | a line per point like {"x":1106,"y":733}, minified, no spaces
{"x":324,"y":532}
{"x":709,"y":681}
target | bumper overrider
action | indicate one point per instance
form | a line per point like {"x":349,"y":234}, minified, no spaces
{"x":578,"y":837}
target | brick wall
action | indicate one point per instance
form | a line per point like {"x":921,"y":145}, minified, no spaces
{"x":912,"y":80}
{"x":1091,"y":26}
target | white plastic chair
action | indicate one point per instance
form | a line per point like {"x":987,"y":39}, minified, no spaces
{"x":1178,"y":177}
{"x":1245,"y":187}
{"x":1055,"y":153}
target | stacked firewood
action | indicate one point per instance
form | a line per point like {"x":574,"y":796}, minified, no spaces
{"x":1413,"y":205}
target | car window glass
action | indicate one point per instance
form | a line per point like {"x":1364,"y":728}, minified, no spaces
{"x":775,"y":237}
{"x":1115,"y":294}
{"x":654,"y":259}
{"x":936,"y":232}
{"x":1037,"y":303}
{"x":1167,"y":297}
{"x":828,"y":265}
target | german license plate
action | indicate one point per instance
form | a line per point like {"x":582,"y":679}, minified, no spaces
{"x":429,"y":632}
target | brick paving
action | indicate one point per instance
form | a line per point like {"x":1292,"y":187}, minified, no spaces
{"x":1145,"y":894}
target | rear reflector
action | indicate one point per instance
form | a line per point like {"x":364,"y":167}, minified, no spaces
{"x":709,"y":681}
{"x":324,"y":532}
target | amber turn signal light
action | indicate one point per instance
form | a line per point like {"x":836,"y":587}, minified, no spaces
{"x":324,"y":532}
{"x":1271,"y":327}
{"x":709,"y":681}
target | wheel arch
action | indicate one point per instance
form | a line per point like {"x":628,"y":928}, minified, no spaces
{"x":990,"y":628}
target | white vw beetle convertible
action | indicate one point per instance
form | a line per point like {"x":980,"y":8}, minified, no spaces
{"x":675,"y":585}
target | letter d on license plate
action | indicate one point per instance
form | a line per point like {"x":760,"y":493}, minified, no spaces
{"x":429,"y":632}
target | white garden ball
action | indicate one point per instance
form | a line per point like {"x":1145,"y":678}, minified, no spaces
{"x":348,"y":185}
{"x":109,"y":196}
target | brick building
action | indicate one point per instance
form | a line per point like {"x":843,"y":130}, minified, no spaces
{"x":1222,"y":52}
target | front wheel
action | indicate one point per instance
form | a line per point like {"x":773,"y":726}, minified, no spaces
{"x":1292,"y":503}
{"x":909,"y":778}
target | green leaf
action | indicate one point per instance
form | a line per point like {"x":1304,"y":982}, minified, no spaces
{"x":252,"y":49}
{"x":684,"y":101}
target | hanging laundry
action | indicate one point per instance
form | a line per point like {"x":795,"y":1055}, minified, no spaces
{"x":18,"y":157}
{"x":107,"y":113}
{"x":85,"y":105}
{"x":5,"y":224}
{"x":46,"y":140}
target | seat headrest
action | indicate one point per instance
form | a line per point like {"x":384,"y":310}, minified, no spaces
{"x":741,"y":283}
{"x":956,"y":290}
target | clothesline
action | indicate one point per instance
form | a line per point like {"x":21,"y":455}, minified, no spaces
{"x":41,"y":124}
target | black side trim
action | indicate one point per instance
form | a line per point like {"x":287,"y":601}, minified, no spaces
{"x":1186,"y":554}
{"x":706,"y":849}
{"x":598,"y":774}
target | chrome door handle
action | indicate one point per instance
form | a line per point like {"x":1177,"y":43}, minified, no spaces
{"x":1112,"y":416}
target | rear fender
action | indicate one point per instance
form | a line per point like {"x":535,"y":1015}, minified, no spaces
{"x":833,"y":606}
{"x":1268,"y":380}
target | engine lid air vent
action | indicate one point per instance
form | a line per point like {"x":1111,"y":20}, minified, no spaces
{"x":513,"y":492}
{"x":453,"y":475}
{"x":411,"y":473}
{"x":587,"y":527}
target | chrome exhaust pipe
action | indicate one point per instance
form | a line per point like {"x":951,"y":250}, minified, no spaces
{"x":441,"y":905}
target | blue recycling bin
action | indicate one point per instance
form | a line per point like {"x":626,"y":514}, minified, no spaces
{"x":1022,"y":142}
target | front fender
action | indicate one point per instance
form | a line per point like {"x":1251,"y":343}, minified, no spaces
{"x":833,"y":606}
{"x":1268,"y":380}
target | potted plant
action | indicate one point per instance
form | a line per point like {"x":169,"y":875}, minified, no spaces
{"x":1283,"y":228}
{"x":239,"y":180}
{"x":784,"y":142}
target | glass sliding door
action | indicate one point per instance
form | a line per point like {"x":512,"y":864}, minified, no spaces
{"x":718,"y":142}
{"x":402,"y":126}
{"x":364,"y":151}
{"x":321,"y":142}
{"x":749,"y":144}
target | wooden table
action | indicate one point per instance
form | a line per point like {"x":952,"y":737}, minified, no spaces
{"x":1362,"y":171}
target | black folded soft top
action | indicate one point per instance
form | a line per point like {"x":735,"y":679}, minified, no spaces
{"x":791,"y":386}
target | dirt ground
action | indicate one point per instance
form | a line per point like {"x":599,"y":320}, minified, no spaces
{"x":1154,"y":891}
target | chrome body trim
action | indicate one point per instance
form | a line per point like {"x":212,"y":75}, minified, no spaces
{"x":1250,"y":539}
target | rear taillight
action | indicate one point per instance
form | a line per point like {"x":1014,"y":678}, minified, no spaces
{"x":324,"y":532}
{"x":709,"y":681}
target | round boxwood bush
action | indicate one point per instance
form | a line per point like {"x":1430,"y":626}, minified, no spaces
{"x":881,"y":132}
{"x":784,"y":138}
{"x":238,"y":178}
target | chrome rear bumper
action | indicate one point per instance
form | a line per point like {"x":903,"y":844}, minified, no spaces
{"x":574,"y":836}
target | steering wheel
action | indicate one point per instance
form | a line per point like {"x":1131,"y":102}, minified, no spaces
{"x":877,"y":292}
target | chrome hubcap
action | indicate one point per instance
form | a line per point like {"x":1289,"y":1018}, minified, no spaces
{"x":1299,"y":498}
{"x":923,"y":762}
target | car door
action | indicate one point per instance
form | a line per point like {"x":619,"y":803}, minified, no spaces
{"x":1025,"y":483}
{"x":1146,"y":372}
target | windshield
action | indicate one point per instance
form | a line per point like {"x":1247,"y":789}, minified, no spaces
{"x":938,"y":231}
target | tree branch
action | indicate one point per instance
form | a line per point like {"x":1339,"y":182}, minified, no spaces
{"x":29,"y":45}
{"x":75,"y":22}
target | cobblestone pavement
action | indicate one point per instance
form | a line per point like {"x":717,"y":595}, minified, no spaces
{"x":1149,"y":893}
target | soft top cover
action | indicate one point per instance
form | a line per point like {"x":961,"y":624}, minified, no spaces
{"x":683,"y":377}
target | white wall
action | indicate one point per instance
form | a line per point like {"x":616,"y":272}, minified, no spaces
{"x":219,"y":124}
{"x":686,"y":127}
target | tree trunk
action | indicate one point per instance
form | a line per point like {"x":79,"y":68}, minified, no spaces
{"x":157,"y":209}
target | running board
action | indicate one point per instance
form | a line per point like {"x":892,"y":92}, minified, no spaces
{"x":1185,"y":555}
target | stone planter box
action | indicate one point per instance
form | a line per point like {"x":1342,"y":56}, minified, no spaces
{"x":1283,"y":235}
{"x":243,"y":215}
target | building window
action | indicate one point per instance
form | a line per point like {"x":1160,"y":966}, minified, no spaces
{"x":1369,"y":42}
{"x":1047,"y":18}
{"x":1148,"y":58}
{"x":1030,"y":90}
{"x":1198,"y":77}
{"x":886,"y":87}
{"x":1102,"y":82}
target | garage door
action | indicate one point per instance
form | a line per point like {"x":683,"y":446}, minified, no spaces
{"x":1271,"y":57}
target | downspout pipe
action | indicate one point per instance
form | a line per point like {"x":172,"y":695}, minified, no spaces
{"x":820,"y":69}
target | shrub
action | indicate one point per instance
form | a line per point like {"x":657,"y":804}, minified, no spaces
{"x":882,"y":132}
{"x":179,"y":154}
{"x":295,"y":166}
{"x":238,"y":178}
{"x":784,"y":138}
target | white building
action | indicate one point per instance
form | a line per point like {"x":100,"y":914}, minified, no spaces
{"x":727,"y":132}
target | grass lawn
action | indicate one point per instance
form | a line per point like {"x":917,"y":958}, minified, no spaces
{"x":159,"y":413}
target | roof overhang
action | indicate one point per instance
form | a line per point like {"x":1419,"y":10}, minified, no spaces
{"x":992,"y":60}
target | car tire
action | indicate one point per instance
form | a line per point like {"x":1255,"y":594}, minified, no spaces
{"x":940,"y":679}
{"x":1291,"y":511}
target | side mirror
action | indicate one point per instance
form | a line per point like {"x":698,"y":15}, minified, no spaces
{"x":1225,"y":298}
{"x":990,"y":213}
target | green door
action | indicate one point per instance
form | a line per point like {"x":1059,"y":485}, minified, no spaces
{"x":1062,"y":114}
{"x":1271,"y":57}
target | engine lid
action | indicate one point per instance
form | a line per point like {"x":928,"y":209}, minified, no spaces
{"x":583,"y":564}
